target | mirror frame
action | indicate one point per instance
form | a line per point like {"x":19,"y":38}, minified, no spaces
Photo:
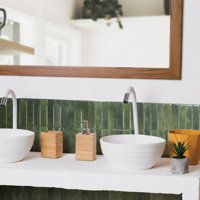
{"x":173,"y":72}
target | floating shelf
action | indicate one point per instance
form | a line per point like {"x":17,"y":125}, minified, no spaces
{"x":126,"y":22}
{"x":98,"y":175}
{"x":12,"y":48}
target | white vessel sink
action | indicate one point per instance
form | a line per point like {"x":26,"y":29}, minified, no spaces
{"x":15,"y":144}
{"x":132,"y":152}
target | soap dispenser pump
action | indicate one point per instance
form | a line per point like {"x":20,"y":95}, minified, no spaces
{"x":85,"y":144}
{"x":85,"y":129}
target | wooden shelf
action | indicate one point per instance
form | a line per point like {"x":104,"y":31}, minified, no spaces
{"x":12,"y":48}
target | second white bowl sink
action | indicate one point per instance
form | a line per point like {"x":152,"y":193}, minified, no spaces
{"x":15,"y":144}
{"x":132,"y":152}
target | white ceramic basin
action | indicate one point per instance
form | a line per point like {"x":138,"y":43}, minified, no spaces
{"x":132,"y":152}
{"x":15,"y":144}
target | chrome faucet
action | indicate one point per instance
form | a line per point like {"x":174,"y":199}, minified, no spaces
{"x":4,"y":101}
{"x":135,"y":110}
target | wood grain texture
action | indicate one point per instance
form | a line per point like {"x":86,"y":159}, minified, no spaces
{"x":51,"y":144}
{"x":173,"y":72}
{"x":8,"y":47}
{"x":85,"y":146}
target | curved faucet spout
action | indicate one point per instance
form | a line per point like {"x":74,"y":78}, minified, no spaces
{"x":132,"y":93}
{"x":14,"y":100}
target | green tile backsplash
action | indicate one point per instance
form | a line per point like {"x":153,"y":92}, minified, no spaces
{"x":105,"y":118}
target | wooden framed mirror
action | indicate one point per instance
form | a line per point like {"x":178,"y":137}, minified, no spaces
{"x":19,"y":52}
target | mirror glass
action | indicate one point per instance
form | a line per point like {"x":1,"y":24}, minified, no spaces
{"x":127,"y":33}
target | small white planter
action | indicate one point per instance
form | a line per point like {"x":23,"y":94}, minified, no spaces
{"x":179,"y":166}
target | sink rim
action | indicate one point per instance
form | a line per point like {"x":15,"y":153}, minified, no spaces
{"x":6,"y":133}
{"x":158,"y":141}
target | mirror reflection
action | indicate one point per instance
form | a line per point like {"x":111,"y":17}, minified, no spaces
{"x":97,"y":33}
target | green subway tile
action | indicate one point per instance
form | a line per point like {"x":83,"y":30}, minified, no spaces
{"x":65,"y":141}
{"x":135,"y":196}
{"x":70,"y":114}
{"x":106,"y":113}
{"x":68,"y":194}
{"x":91,"y":114}
{"x":167,"y":116}
{"x":195,"y":117}
{"x":19,"y":193}
{"x":77,"y":195}
{"x":127,"y":119}
{"x":112,"y":115}
{"x":154,"y":133}
{"x":147,"y":118}
{"x":50,"y":114}
{"x":161,"y":133}
{"x":30,"y":113}
{"x":36,"y":145}
{"x":78,"y":118}
{"x":57,"y":114}
{"x":9,"y":114}
{"x":36,"y":112}
{"x":69,"y":146}
{"x":98,"y":115}
{"x":84,"y":111}
{"x":43,"y":193}
{"x":160,"y":116}
{"x":119,"y":115}
{"x":188,"y":117}
{"x":154,"y":117}
{"x":103,"y":132}
{"x":141,"y":116}
{"x":181,"y":117}
{"x":54,"y":194}
{"x":99,"y":134}
{"x":5,"y":193}
{"x":43,"y":113}
{"x":2,"y":117}
{"x":128,"y":131}
{"x":101,"y":195}
{"x":87,"y":195}
{"x":22,"y":109}
{"x":115,"y":196}
{"x":131,"y":116}
{"x":33,"y":193}
{"x":165,"y":197}
{"x":174,"y":116}
{"x":64,"y":113}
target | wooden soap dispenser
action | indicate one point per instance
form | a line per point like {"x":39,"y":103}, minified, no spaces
{"x":85,"y":144}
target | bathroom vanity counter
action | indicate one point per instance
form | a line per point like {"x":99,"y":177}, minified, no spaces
{"x":67,"y":173}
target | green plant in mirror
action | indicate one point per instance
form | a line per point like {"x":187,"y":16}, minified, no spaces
{"x":179,"y":148}
{"x":107,"y":9}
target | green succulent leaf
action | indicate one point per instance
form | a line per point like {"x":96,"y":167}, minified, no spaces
{"x":179,"y":148}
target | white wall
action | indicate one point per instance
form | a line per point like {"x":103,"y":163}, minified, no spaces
{"x":53,"y":11}
{"x":142,"y":7}
{"x":42,"y":20}
{"x":141,"y":37}
{"x":184,"y":91}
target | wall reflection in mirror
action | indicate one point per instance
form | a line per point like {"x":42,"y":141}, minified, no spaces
{"x":109,"y":33}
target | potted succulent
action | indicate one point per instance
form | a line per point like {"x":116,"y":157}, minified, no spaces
{"x":179,"y":163}
{"x":107,"y":9}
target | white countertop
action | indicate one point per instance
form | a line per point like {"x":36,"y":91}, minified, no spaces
{"x":67,"y":173}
